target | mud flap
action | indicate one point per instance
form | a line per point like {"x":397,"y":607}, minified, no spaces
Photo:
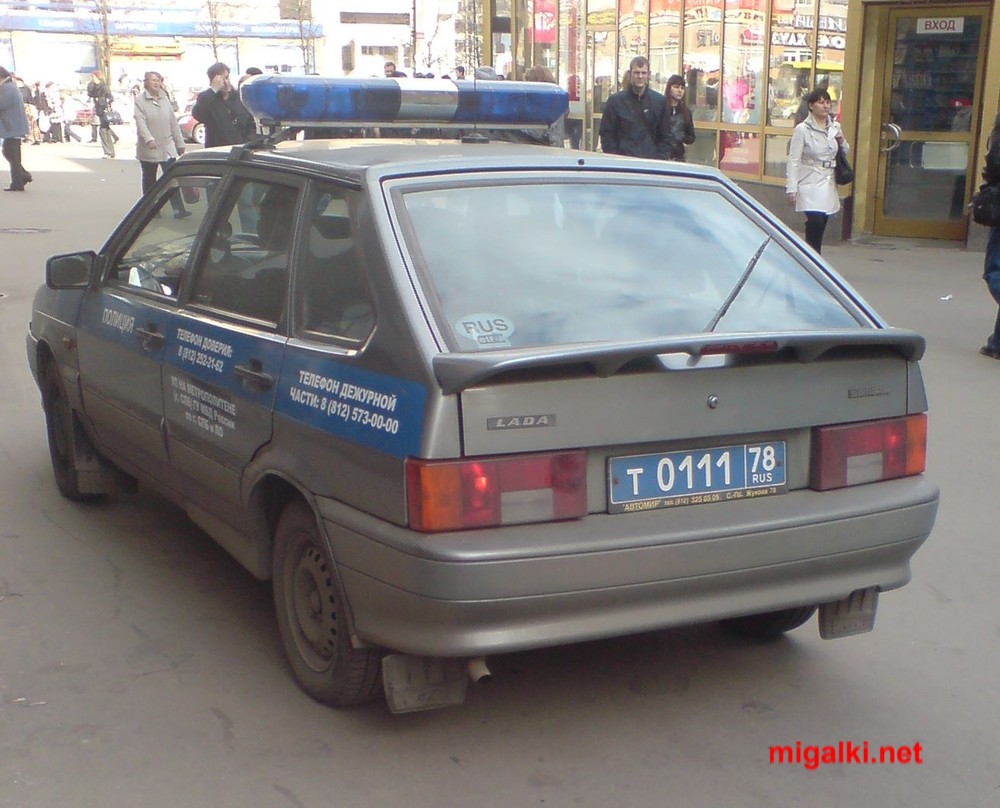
{"x":855,"y":614}
{"x":94,"y":475}
{"x":414,"y":683}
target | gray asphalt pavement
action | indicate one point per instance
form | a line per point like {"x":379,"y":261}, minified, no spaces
{"x":140,"y":666}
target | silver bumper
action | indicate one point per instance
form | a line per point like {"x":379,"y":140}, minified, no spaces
{"x":478,"y":592}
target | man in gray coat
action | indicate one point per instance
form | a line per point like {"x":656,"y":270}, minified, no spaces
{"x":13,"y":127}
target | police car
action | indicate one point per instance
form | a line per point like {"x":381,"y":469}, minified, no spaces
{"x":461,"y":397}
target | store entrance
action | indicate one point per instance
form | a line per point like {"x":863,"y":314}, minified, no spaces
{"x":931,"y":92}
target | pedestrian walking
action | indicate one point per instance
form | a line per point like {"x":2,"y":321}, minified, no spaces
{"x":13,"y":129}
{"x":634,"y":121}
{"x":809,"y":178}
{"x":101,"y":95}
{"x":680,"y":124}
{"x":991,"y":266}
{"x":227,"y":122}
{"x":158,"y":136}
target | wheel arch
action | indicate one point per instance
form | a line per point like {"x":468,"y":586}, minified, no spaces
{"x":270,"y":495}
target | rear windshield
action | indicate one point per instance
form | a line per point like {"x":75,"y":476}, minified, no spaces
{"x":540,"y":264}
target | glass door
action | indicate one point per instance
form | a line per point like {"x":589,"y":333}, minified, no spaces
{"x":932,"y":88}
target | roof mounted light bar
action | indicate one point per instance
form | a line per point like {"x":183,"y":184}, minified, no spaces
{"x":309,"y":101}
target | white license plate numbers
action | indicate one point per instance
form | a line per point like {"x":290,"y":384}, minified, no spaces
{"x":721,"y":474}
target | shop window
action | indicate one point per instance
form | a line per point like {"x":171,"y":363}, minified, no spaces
{"x":664,"y":39}
{"x":703,"y":58}
{"x":743,"y":61}
{"x":739,"y":152}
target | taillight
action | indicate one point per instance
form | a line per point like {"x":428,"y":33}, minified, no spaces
{"x":852,"y":454}
{"x":486,"y":492}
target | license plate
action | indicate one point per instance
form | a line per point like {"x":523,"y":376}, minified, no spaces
{"x":646,"y":482}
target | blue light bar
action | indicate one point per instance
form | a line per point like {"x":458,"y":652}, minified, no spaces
{"x":318,"y":101}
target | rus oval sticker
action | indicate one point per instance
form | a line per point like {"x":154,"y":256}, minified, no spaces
{"x":485,"y":329}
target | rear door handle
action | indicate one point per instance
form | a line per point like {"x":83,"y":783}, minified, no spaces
{"x":151,"y":339}
{"x":253,"y":376}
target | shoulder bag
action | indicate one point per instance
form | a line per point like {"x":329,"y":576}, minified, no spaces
{"x":842,"y":171}
{"x":985,"y":206}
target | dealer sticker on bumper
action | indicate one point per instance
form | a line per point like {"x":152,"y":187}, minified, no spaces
{"x":646,"y":482}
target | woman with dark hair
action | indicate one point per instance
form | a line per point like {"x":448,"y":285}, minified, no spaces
{"x":680,"y":124}
{"x":812,"y":153}
{"x":991,"y":266}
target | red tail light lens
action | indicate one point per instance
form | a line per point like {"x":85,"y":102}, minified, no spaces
{"x":486,"y":492}
{"x":853,"y":454}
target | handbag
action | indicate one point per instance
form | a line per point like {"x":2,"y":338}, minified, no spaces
{"x":985,"y":206}
{"x":842,"y":171}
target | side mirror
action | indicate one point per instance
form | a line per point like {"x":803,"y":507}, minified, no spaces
{"x":70,"y":271}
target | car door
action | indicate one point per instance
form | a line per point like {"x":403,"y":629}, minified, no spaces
{"x":226,"y":344}
{"x":124,"y":322}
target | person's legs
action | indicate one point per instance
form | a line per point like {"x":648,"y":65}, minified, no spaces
{"x":991,"y":274}
{"x":148,"y":175}
{"x":815,"y":227}
{"x":12,"y":153}
{"x":107,"y":144}
{"x":180,"y":212}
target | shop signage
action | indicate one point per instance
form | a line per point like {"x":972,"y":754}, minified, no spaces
{"x":940,"y":25}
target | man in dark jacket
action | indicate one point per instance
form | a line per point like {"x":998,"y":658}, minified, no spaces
{"x":227,"y":122}
{"x":634,"y":121}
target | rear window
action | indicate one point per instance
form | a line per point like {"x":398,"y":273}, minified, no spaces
{"x":538,"y":264}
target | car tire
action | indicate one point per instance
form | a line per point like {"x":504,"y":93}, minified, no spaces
{"x":198,"y":134}
{"x":62,"y":435}
{"x":310,"y":608}
{"x":770,"y":624}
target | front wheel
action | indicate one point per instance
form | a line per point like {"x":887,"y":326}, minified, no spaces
{"x":62,"y":435}
{"x":309,"y":605}
{"x":770,"y":624}
{"x":198,"y":133}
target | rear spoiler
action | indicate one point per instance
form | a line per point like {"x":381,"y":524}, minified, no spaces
{"x":458,"y":371}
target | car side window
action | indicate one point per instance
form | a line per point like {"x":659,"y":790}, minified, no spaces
{"x":245,"y":270}
{"x":333,"y":297}
{"x":158,"y":256}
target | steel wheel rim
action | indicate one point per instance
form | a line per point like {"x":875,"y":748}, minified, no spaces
{"x":312,"y":608}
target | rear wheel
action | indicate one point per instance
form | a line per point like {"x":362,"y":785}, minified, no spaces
{"x":309,"y":605}
{"x":61,"y":434}
{"x":770,"y":624}
{"x":198,"y":133}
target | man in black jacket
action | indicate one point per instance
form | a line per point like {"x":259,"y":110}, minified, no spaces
{"x":634,"y":121}
{"x":227,"y":122}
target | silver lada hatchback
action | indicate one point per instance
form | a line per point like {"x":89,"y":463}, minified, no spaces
{"x":459,"y":397}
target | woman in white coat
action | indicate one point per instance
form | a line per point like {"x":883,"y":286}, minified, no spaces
{"x":809,"y":180}
{"x":158,"y":135}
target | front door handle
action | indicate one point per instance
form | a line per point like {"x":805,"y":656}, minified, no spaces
{"x":253,"y":376}
{"x":151,"y":339}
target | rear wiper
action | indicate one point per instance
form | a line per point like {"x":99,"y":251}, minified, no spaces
{"x":737,"y":288}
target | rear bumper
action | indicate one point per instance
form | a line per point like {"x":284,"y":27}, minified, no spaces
{"x":481,"y":592}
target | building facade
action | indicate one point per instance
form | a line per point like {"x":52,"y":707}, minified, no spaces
{"x":915,"y":86}
{"x":916,"y":83}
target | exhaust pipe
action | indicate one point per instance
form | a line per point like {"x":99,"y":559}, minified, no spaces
{"x":478,"y":672}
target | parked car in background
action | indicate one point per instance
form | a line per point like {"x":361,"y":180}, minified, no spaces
{"x":192,"y":129}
